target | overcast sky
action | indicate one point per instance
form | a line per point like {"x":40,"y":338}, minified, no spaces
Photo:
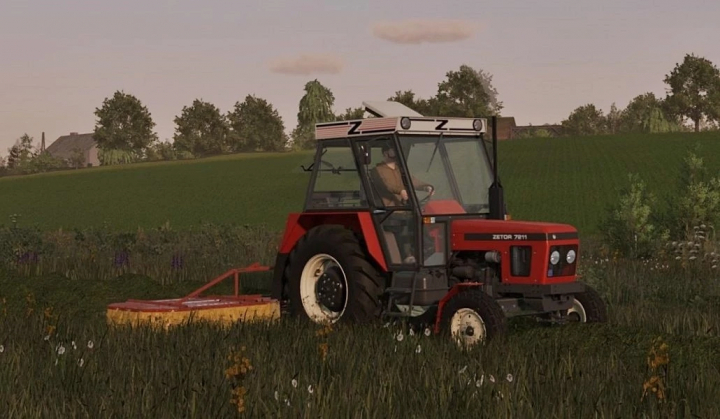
{"x":59,"y":59}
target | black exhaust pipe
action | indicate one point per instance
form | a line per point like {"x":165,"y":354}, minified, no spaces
{"x":497,"y":202}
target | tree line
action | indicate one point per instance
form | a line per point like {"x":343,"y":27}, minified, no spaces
{"x":124,"y":126}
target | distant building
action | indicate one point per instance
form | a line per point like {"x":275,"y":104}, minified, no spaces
{"x":64,"y":148}
{"x":505,"y":126}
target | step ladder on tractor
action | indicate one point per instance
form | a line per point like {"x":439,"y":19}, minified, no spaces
{"x":404,"y":217}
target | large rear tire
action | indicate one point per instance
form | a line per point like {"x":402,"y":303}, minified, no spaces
{"x":331,"y":279}
{"x":473,"y":317}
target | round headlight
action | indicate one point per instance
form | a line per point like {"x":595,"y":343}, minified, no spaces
{"x":555,"y":257}
{"x":477,"y":125}
{"x":405,"y":123}
{"x":570,"y":258}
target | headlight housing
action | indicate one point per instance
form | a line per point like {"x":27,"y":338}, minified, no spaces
{"x":562,"y":260}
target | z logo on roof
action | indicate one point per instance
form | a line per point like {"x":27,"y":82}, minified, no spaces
{"x":441,"y":125}
{"x":354,"y":128}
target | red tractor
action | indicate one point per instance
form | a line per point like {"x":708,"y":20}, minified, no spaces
{"x":404,"y":217}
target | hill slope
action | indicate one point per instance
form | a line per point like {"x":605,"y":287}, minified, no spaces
{"x":561,"y":180}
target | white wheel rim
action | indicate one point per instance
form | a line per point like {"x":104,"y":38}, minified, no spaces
{"x":311,"y":273}
{"x":467,"y":327}
{"x":579,"y":310}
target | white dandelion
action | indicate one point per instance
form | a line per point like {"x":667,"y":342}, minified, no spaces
{"x":277,"y":396}
{"x":411,"y":333}
{"x":74,"y":345}
{"x":90,"y":344}
{"x":46,"y":338}
{"x":61,"y":350}
{"x":509,"y":378}
{"x":287,"y":402}
{"x":2,"y":349}
{"x":81,"y":362}
{"x":294,"y":383}
{"x":400,"y":337}
{"x":492,"y":378}
{"x":310,"y":389}
{"x":427,"y":332}
{"x":418,"y":349}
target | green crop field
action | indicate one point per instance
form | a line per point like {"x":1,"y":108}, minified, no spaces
{"x":560,"y":180}
{"x":58,"y":358}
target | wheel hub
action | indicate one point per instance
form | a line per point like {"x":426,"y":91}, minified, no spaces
{"x":330,"y":289}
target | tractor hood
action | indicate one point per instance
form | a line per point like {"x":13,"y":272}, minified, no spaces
{"x":466,"y":231}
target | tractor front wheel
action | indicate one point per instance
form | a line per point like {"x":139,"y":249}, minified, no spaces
{"x":588,"y":307}
{"x":472,"y":317}
{"x":331,"y":278}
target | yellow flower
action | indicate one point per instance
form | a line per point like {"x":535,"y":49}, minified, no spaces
{"x":323,"y":348}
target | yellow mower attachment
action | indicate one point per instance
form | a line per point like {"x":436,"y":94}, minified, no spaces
{"x":223,"y":310}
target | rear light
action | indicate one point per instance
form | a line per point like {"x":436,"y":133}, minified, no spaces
{"x":520,"y":257}
{"x":562,"y":260}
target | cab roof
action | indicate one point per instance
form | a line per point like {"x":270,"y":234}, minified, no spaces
{"x":388,"y":117}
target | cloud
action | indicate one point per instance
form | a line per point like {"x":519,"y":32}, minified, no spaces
{"x":306,"y":64}
{"x":419,"y":31}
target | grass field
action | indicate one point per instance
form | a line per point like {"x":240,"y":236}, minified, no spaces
{"x":561,"y":180}
{"x":575,"y":371}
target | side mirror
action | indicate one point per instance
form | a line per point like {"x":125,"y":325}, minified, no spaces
{"x":365,"y":154}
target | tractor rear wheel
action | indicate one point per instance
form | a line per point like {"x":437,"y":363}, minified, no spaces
{"x":472,"y":317}
{"x":331,"y":279}
{"x":588,"y":307}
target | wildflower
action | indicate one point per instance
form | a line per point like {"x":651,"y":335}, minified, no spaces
{"x":418,"y":349}
{"x":90,"y":344}
{"x":81,"y":362}
{"x":386,"y":325}
{"x":492,"y":378}
{"x":323,"y":348}
{"x":277,"y":396}
{"x":61,"y":350}
{"x":412,"y":332}
{"x":400,"y":337}
{"x":46,"y":338}
{"x":294,"y":383}
{"x":287,"y":402}
{"x":2,"y":349}
{"x":74,"y":345}
{"x":427,"y":332}
{"x":462,"y":370}
{"x":509,"y":378}
{"x":310,"y":389}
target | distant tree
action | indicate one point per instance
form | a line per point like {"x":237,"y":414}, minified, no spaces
{"x":201,"y":129}
{"x":694,"y":90}
{"x":467,"y":93}
{"x":422,"y":106}
{"x":613,"y":120}
{"x":124,"y":123}
{"x":585,"y":120}
{"x":21,"y":152}
{"x":314,"y":107}
{"x":77,"y":158}
{"x":161,"y":151}
{"x":256,"y":125}
{"x":351,"y":113}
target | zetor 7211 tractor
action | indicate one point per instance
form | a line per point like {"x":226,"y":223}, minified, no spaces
{"x":404,"y":217}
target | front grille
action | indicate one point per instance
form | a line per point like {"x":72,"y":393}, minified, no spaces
{"x":520,"y":263}
{"x":562,"y":268}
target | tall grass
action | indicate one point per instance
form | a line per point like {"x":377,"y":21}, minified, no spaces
{"x":292,"y":369}
{"x":166,"y":255}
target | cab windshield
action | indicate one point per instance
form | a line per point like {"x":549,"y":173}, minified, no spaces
{"x":457,"y":168}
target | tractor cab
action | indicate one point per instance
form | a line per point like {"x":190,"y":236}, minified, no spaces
{"x":411,"y":173}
